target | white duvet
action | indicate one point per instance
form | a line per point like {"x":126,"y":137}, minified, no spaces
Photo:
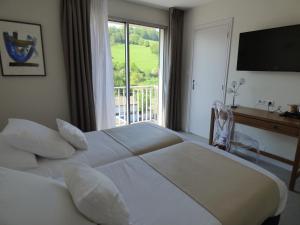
{"x":102,"y":149}
{"x":151,"y":199}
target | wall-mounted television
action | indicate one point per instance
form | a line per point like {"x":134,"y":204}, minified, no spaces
{"x":276,"y":49}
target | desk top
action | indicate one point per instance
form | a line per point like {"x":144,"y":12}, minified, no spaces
{"x":260,"y":114}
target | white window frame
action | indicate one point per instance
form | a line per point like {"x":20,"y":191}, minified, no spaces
{"x":162,"y":48}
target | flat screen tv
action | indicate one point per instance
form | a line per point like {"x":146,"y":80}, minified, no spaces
{"x":276,"y":49}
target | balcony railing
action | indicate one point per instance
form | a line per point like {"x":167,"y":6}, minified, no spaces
{"x":143,"y":104}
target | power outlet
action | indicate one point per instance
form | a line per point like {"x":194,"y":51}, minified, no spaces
{"x":266,"y":102}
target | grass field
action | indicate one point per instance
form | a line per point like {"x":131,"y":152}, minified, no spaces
{"x":140,"y":55}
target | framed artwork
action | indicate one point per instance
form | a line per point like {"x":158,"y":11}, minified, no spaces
{"x":21,"y":49}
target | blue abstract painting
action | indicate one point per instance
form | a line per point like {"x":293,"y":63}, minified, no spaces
{"x":21,"y":49}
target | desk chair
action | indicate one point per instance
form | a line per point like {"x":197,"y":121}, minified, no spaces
{"x":225,"y":137}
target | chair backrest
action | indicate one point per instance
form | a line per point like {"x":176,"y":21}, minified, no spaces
{"x":223,"y":125}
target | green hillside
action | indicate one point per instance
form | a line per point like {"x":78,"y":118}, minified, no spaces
{"x":142,"y":56}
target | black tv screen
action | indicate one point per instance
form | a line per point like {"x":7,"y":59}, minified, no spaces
{"x":276,"y":49}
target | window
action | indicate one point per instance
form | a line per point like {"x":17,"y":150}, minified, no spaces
{"x":136,"y":56}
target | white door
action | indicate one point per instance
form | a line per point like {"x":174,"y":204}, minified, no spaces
{"x":210,"y":64}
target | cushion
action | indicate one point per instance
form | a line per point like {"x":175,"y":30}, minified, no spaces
{"x":27,"y":199}
{"x":12,"y":158}
{"x":35,"y":138}
{"x":72,"y":134}
{"x":95,"y":195}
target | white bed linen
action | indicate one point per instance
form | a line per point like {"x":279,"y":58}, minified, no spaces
{"x":102,"y":149}
{"x":151,"y":199}
{"x":26,"y":199}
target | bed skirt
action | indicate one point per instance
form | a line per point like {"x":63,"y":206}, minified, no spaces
{"x":272,"y":221}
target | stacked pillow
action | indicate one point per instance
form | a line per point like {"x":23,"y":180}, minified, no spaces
{"x":30,"y":199}
{"x":22,"y":139}
{"x":72,"y":134}
{"x":37,"y":139}
{"x":15,"y":159}
{"x":95,"y":195}
{"x":33,"y":200}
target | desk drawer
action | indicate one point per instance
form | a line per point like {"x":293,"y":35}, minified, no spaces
{"x":267,"y":125}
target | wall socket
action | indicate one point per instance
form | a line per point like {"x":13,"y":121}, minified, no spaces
{"x":266,"y":102}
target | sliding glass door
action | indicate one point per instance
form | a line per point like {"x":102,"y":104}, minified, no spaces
{"x":137,"y":65}
{"x":118,"y":48}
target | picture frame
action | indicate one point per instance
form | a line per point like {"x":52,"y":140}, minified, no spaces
{"x":21,"y":49}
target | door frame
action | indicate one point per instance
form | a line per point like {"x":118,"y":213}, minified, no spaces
{"x":229,"y":22}
{"x":162,"y":63}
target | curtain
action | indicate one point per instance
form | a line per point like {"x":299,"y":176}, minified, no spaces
{"x":102,"y":69}
{"x":165,"y":77}
{"x":77,"y":52}
{"x":175,"y":33}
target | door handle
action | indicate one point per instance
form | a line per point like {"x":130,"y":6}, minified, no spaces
{"x":193,"y":85}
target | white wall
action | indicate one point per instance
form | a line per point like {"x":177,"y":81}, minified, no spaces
{"x":43,"y":99}
{"x":282,"y":87}
{"x":38,"y":98}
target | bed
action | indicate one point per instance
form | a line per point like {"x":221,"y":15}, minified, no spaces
{"x":162,"y":176}
{"x":111,"y":145}
{"x":153,"y":198}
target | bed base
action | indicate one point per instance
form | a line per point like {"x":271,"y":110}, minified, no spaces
{"x":272,"y":221}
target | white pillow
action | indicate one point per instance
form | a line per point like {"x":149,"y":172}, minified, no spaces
{"x":72,"y":134}
{"x":27,"y":199}
{"x":35,"y":138}
{"x":15,"y":159}
{"x":95,"y":195}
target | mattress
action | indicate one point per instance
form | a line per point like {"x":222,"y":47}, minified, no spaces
{"x":154,"y":200}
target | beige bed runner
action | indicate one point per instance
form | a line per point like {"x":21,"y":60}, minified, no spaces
{"x":232,"y":192}
{"x":141,"y":138}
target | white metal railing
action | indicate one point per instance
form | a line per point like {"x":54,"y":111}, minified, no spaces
{"x":143,"y":104}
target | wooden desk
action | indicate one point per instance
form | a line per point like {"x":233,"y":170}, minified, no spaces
{"x":265,"y":120}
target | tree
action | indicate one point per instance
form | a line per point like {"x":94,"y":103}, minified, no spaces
{"x":134,"y":39}
{"x":154,"y":48}
{"x":147,"y":43}
{"x":116,"y":35}
{"x":119,"y":74}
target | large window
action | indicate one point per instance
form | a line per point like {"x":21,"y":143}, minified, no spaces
{"x":136,"y":56}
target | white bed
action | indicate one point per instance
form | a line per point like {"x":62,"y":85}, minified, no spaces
{"x":102,"y":149}
{"x":153,"y":200}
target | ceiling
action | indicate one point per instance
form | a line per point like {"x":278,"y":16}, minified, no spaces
{"x":164,"y":4}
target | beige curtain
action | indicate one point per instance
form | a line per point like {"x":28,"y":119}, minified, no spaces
{"x":77,"y":51}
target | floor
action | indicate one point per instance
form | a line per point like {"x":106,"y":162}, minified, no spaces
{"x":291,"y":215}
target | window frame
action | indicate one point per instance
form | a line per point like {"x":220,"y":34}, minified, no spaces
{"x":163,"y":29}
